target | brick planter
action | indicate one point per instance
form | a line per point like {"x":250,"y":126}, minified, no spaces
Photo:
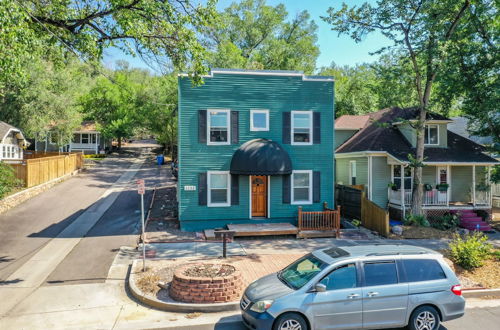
{"x":205,"y":289}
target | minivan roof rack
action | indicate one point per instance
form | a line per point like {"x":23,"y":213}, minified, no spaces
{"x":396,"y":253}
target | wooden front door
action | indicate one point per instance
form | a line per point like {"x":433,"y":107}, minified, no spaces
{"x":259,"y":196}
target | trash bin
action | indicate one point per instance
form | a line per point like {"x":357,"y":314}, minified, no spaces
{"x":160,"y":159}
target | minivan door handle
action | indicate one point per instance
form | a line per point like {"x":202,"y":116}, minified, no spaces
{"x":372,"y":294}
{"x":353,"y":295}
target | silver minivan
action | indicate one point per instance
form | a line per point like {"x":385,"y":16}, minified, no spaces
{"x":357,"y":287}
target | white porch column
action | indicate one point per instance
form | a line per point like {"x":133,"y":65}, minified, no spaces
{"x":490,"y":197}
{"x":474,"y":185}
{"x":96,"y":144}
{"x":448,"y":181}
{"x":403,"y":193}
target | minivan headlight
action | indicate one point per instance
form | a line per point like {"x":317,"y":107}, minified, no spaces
{"x":261,"y":306}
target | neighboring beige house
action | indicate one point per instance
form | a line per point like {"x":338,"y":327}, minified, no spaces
{"x":86,"y":138}
{"x":12,"y":142}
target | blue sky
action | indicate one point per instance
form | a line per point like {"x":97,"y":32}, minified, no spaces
{"x":341,"y":50}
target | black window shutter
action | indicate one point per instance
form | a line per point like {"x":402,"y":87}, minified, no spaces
{"x":316,"y":187}
{"x":234,"y":128}
{"x":202,"y":126}
{"x":286,"y":189}
{"x":316,"y":127}
{"x":235,"y":189}
{"x":202,"y":188}
{"x":287,"y":127}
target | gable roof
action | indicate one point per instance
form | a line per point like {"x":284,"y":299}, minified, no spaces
{"x":459,"y":126}
{"x":5,"y":128}
{"x":350,"y":122}
{"x":380,"y":135}
{"x":87,"y":126}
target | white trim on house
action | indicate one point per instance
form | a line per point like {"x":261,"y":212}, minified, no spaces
{"x":264,"y":111}
{"x":370,"y":169}
{"x":268,"y":196}
{"x":228,"y":123}
{"x":352,"y":171}
{"x":281,"y":73}
{"x":427,"y":134}
{"x":209,"y":189}
{"x":300,"y":112}
{"x":386,"y":154}
{"x":431,"y":121}
{"x":310,"y":188}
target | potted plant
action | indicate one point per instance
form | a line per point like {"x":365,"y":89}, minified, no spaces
{"x":427,"y":187}
{"x":442,"y":186}
{"x":393,"y":186}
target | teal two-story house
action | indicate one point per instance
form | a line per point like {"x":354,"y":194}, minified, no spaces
{"x":253,"y":147}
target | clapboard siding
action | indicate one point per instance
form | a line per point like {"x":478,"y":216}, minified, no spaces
{"x":242,"y":93}
{"x":461,"y":183}
{"x":342,"y":170}
{"x":381,"y":176}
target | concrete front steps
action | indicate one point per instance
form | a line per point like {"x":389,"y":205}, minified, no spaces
{"x":471,"y":221}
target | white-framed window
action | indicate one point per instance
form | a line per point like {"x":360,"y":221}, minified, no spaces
{"x":352,"y":172}
{"x":407,"y":176}
{"x":259,"y":120}
{"x":431,"y":134}
{"x":76,"y":138}
{"x":218,"y":183}
{"x":4,"y":151}
{"x":94,"y":138}
{"x":218,"y":131}
{"x":85,"y":138}
{"x":302,"y":187}
{"x":302,"y":127}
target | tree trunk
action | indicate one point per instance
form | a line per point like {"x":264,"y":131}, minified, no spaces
{"x":417,"y":191}
{"x":119,"y":143}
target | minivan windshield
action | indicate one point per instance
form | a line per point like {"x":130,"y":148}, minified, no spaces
{"x":301,"y":271}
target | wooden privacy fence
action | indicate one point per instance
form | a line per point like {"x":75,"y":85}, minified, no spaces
{"x":326,"y":220}
{"x":350,"y":200}
{"x":36,"y":171}
{"x":374,"y":217}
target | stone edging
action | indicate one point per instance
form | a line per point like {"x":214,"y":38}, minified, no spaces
{"x":175,"y":306}
{"x":20,"y":197}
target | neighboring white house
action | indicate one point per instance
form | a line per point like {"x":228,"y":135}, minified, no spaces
{"x":12,"y":142}
{"x":86,"y":138}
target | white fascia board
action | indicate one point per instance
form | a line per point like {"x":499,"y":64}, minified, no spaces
{"x":267,"y":73}
{"x":462,"y":163}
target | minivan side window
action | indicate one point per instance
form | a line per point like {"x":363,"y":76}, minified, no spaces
{"x":418,"y":270}
{"x":343,"y":277}
{"x":380,"y":273}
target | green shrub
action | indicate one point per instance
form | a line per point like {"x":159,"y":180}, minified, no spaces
{"x":8,"y":180}
{"x":470,"y":251}
{"x":446,"y":222}
{"x":416,"y":220}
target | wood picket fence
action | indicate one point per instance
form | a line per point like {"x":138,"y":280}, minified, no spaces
{"x":37,"y":169}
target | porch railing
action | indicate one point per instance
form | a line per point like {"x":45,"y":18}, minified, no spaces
{"x":395,"y":196}
{"x":483,"y":197}
{"x":326,"y":220}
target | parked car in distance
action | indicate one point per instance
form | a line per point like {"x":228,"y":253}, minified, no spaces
{"x":357,"y":287}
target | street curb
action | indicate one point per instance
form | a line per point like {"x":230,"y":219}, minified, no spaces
{"x":481,"y":293}
{"x":174,"y":306}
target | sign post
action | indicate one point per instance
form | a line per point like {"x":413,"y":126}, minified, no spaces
{"x":141,"y":189}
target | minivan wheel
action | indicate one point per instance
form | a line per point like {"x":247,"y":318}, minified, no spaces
{"x":290,"y":321}
{"x":424,"y":318}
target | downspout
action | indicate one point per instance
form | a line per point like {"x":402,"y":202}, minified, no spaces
{"x":402,"y":188}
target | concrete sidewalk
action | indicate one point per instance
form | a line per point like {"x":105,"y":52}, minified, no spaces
{"x":26,"y":279}
{"x":270,"y":246}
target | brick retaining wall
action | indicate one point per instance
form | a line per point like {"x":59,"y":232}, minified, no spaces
{"x":205,"y":289}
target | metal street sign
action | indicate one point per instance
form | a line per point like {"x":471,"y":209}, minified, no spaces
{"x":141,"y":190}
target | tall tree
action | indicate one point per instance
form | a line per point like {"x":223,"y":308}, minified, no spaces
{"x":260,"y":36}
{"x":162,"y":30}
{"x":48,"y":99}
{"x":422,"y":30}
